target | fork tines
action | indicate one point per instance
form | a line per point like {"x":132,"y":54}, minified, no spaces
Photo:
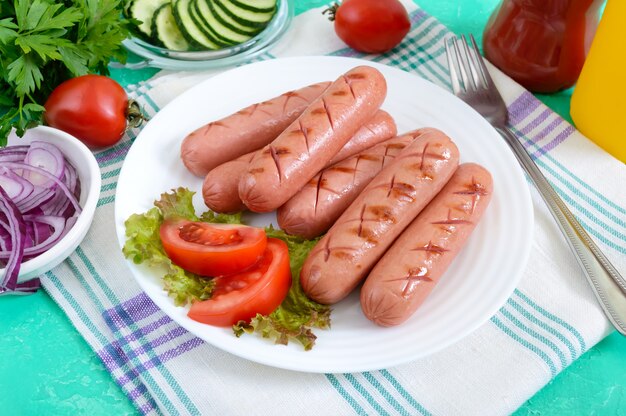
{"x":467,"y":68}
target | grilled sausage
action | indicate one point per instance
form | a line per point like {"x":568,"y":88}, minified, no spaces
{"x":411,"y":268}
{"x":284,"y":166}
{"x":378,"y":129}
{"x":248,"y":129}
{"x":315,"y":208}
{"x":220,"y":187}
{"x":346,"y":254}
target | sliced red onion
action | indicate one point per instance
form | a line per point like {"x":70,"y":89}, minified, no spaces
{"x":36,"y":199}
{"x":13,"y":153}
{"x":41,"y":231}
{"x":24,"y":288}
{"x":18,"y":231}
{"x":57,"y":224}
{"x":45,"y":156}
{"x":68,"y":193}
{"x":16,"y":187}
{"x":39,"y":193}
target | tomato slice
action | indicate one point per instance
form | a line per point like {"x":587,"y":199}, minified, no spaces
{"x":240,"y":296}
{"x":212,"y":249}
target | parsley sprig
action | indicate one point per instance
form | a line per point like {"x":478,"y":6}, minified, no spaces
{"x":43,"y":43}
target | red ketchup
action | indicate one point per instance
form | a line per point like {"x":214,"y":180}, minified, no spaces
{"x":542,"y":44}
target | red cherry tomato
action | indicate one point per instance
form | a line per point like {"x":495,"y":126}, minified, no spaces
{"x":212,"y":249}
{"x":260,"y":289}
{"x":93,"y":108}
{"x":371,"y":26}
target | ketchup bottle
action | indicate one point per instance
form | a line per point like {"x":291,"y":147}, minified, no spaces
{"x":542,"y":44}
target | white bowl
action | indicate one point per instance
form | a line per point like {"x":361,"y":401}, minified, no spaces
{"x":89,"y":173}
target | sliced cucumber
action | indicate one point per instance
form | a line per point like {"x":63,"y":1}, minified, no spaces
{"x":167,"y":31}
{"x":255,"y":5}
{"x":189,"y":28}
{"x":243,"y":16}
{"x":223,"y":32}
{"x":144,"y":11}
{"x":208,"y":31}
{"x":226,"y":20}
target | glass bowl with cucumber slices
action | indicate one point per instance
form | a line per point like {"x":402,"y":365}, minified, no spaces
{"x":201,"y":34}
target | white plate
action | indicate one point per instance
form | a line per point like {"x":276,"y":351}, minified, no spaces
{"x":476,"y":285}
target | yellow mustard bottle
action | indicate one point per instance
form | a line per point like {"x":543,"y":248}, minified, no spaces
{"x":598,"y":105}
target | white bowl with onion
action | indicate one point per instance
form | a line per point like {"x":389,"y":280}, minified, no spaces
{"x":62,"y":237}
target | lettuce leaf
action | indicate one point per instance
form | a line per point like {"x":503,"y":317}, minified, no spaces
{"x":292,"y":320}
{"x":295,"y":317}
{"x":143,"y":245}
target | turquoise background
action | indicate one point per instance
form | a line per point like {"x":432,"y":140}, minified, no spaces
{"x":46,"y":368}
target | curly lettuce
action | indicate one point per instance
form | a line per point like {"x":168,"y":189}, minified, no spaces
{"x":143,"y":245}
{"x":297,"y":314}
{"x":293,"y":320}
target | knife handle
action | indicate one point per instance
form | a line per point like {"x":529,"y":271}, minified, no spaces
{"x":607,"y":284}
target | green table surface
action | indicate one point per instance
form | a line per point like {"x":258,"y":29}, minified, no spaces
{"x":46,"y":368}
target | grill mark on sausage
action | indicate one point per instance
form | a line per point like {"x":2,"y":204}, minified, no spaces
{"x":327,"y":250}
{"x":424,"y":153}
{"x":449,"y":223}
{"x":274,"y":155}
{"x":382,"y":213}
{"x":339,"y":169}
{"x":356,"y":166}
{"x":305,"y":134}
{"x":349,"y":83}
{"x":340,"y":251}
{"x":288,"y":96}
{"x":431,"y":249}
{"x":317,"y":191}
{"x":249,"y":111}
{"x":361,"y":219}
{"x":209,"y":126}
{"x":386,"y":155}
{"x":391,"y":185}
{"x":414,"y":277}
{"x":476,"y":190}
{"x":330,"y":120}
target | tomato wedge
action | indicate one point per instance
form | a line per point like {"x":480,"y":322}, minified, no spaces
{"x":240,"y":296}
{"x":212,"y":249}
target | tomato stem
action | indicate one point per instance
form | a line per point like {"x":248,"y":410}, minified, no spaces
{"x":331,"y":10}
{"x":134,"y":115}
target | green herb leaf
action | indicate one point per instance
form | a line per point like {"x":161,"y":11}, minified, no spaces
{"x":7,"y":30}
{"x":25,"y":73}
{"x":60,"y":39}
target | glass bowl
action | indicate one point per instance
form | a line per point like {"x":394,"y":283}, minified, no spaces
{"x":157,"y":57}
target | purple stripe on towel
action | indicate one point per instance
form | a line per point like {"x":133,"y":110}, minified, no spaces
{"x":536,"y":122}
{"x":522,"y":107}
{"x":145,"y":330}
{"x":116,"y":152}
{"x":130,"y":312}
{"x":560,"y":138}
{"x":147,"y":407}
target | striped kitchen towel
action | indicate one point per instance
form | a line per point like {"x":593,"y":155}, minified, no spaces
{"x":549,"y":321}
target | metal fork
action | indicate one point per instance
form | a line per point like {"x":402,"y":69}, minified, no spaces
{"x":472,"y":83}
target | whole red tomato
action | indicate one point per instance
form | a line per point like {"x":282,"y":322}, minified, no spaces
{"x":371,"y":26}
{"x":92,"y":108}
